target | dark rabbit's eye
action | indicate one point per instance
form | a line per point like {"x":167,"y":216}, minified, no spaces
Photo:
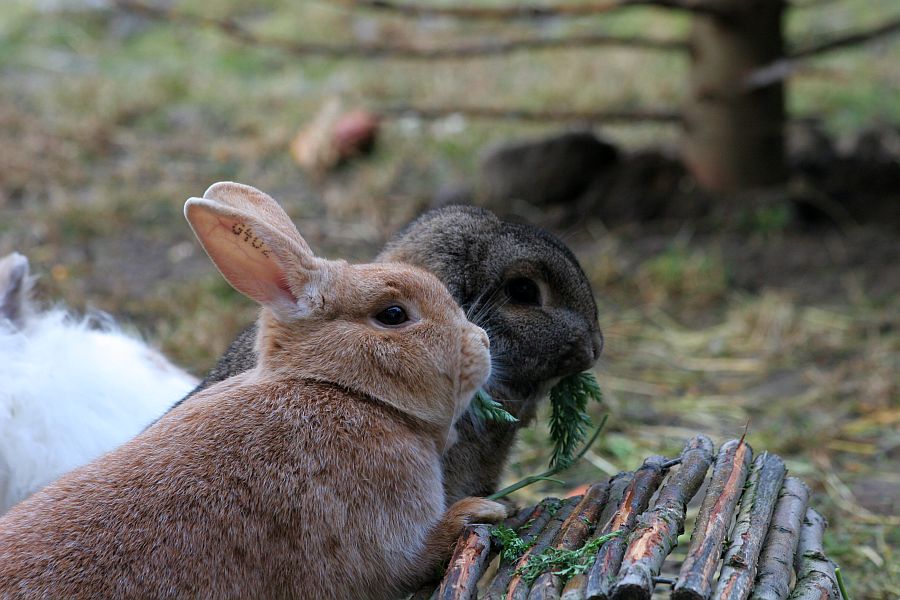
{"x":522,"y":290}
{"x":392,"y":315}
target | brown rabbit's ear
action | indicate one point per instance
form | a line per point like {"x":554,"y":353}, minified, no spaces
{"x":256,"y":258}
{"x":250,"y":200}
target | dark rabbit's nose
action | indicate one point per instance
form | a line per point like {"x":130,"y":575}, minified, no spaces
{"x":597,"y":341}
{"x":582,"y":353}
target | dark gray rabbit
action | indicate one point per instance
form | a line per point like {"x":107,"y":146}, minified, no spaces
{"x":525,"y":288}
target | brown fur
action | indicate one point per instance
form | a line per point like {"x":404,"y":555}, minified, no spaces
{"x":316,"y":474}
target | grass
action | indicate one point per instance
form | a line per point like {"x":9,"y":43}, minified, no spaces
{"x":109,"y":121}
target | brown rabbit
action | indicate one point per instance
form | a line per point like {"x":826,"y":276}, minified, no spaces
{"x":526,"y":289}
{"x":316,"y":474}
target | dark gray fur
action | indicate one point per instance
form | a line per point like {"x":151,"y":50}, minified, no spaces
{"x":475,"y":254}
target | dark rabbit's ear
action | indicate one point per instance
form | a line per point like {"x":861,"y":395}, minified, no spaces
{"x":279,"y":271}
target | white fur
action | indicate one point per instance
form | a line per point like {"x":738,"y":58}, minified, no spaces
{"x":71,"y":391}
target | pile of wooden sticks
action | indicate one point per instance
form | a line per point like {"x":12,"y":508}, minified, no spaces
{"x":774,"y":549}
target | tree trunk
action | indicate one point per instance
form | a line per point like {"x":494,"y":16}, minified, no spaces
{"x":734,"y":133}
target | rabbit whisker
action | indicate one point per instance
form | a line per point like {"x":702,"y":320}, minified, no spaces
{"x":489,"y":308}
{"x":477,"y":306}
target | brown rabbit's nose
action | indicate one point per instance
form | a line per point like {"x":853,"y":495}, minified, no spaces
{"x":483,"y":338}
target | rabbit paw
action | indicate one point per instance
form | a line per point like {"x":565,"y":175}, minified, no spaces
{"x":478,"y":510}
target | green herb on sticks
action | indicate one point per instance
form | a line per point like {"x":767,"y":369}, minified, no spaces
{"x":564,"y":563}
{"x":513,"y":545}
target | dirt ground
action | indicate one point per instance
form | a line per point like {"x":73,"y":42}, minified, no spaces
{"x":108,"y":122}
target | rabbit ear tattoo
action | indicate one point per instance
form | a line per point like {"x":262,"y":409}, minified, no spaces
{"x":250,"y":200}
{"x":267,"y":264}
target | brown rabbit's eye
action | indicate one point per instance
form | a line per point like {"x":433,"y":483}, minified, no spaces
{"x":522,"y":290}
{"x":392,"y":315}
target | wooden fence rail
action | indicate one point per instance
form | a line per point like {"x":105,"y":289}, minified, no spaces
{"x":733,"y":116}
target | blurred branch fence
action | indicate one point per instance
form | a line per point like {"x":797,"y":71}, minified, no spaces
{"x":733,"y":115}
{"x":525,"y":10}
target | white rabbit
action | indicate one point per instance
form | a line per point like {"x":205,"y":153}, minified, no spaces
{"x":71,"y":388}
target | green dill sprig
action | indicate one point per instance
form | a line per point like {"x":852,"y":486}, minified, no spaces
{"x":488,"y":409}
{"x":564,"y":563}
{"x":513,"y":545}
{"x":549,"y":473}
{"x":569,"y":420}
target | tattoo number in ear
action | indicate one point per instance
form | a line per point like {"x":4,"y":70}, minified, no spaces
{"x":241,"y":229}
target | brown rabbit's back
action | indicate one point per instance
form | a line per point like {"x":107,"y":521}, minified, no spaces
{"x":312,"y":518}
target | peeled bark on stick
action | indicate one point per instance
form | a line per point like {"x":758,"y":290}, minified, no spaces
{"x":531,"y":529}
{"x":776,"y":561}
{"x":577,"y":585}
{"x":637,"y":496}
{"x":467,"y":564}
{"x":713,"y":521}
{"x":657,"y":531}
{"x":618,"y":485}
{"x":749,"y":533}
{"x":518,"y":588}
{"x":574,"y":589}
{"x":816,"y":579}
{"x":572,"y":535}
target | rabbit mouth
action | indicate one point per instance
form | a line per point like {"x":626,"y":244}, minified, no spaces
{"x":520,"y":398}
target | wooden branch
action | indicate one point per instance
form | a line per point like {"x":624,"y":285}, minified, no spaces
{"x":815,"y":572}
{"x":527,"y":11}
{"x":657,"y":531}
{"x":757,"y":505}
{"x":777,"y":557}
{"x":467,"y":564}
{"x":618,"y":486}
{"x":637,"y":496}
{"x":781,"y":69}
{"x":522,"y":516}
{"x":532,"y":529}
{"x":236,"y":31}
{"x":713,"y":521}
{"x":512,"y":114}
{"x":888,"y":28}
{"x":804,"y":4}
{"x":575,"y":587}
{"x":572,"y":535}
{"x":518,"y":588}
